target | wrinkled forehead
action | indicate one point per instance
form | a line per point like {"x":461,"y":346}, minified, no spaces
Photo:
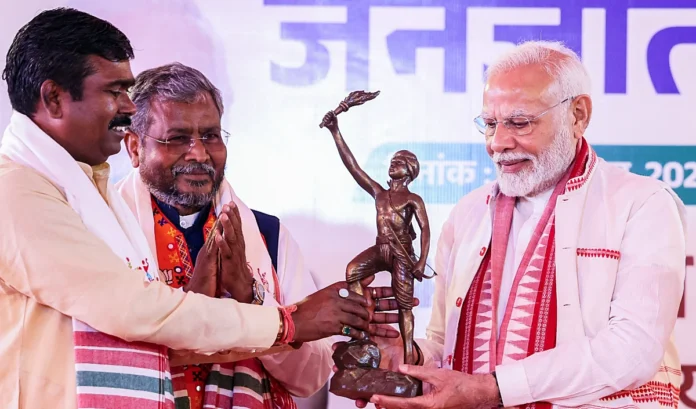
{"x":199,"y":112}
{"x":518,"y":92}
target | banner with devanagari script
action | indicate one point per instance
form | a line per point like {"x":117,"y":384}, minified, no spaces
{"x":282,"y":64}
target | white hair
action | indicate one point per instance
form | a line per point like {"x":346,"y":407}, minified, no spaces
{"x":560,"y":62}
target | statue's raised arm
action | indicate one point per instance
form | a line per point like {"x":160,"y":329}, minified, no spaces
{"x":331,"y":123}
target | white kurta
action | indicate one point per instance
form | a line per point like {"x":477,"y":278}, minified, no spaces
{"x":620,"y":266}
{"x":525,"y":217}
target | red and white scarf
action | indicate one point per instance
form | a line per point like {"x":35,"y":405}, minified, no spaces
{"x":529,"y":322}
{"x":110,"y":372}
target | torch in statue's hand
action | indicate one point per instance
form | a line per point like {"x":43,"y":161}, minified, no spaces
{"x":353,"y":99}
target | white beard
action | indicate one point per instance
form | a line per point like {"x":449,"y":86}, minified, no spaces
{"x":546,"y":170}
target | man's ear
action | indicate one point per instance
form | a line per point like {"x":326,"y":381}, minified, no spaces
{"x":132,"y":142}
{"x":52,"y":99}
{"x":582,"y":113}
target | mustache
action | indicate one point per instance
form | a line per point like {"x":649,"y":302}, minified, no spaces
{"x":505,"y":156}
{"x":191,"y":167}
{"x":121,"y":120}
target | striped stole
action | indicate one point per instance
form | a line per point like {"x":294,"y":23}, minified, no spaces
{"x":112,"y":373}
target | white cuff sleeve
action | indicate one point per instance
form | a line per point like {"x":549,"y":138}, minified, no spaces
{"x":513,"y":384}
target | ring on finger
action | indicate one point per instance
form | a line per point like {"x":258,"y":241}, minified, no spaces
{"x":343,"y":293}
{"x":345,"y":330}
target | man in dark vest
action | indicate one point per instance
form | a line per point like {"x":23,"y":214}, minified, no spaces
{"x":178,"y":192}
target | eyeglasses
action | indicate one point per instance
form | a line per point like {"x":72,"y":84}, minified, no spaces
{"x":212,"y":141}
{"x":519,"y":125}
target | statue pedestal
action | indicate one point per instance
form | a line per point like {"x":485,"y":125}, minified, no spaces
{"x":359,"y":376}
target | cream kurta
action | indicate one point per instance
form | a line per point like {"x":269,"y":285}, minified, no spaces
{"x":52,"y":268}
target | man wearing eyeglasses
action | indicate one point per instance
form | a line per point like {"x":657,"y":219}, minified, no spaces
{"x":85,"y":320}
{"x":178,"y":192}
{"x":559,"y":283}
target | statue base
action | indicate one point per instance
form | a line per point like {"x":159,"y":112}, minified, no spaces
{"x":359,"y":375}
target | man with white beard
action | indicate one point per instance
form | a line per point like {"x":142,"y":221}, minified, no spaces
{"x":559,"y":283}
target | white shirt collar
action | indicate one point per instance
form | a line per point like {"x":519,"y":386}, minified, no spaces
{"x":534,"y":205}
{"x":188,"y":221}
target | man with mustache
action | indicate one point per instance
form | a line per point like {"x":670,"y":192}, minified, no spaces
{"x":559,"y":283}
{"x":85,"y":321}
{"x":177,"y":190}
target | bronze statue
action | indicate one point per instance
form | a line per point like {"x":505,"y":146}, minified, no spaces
{"x":396,"y":208}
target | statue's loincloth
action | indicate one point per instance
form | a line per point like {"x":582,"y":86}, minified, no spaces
{"x":393,"y":254}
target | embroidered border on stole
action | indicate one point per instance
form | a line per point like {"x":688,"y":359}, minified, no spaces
{"x":529,"y":322}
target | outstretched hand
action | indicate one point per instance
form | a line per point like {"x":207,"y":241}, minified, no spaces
{"x":326,"y":313}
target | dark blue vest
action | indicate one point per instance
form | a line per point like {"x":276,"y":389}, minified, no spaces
{"x":269,"y":226}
